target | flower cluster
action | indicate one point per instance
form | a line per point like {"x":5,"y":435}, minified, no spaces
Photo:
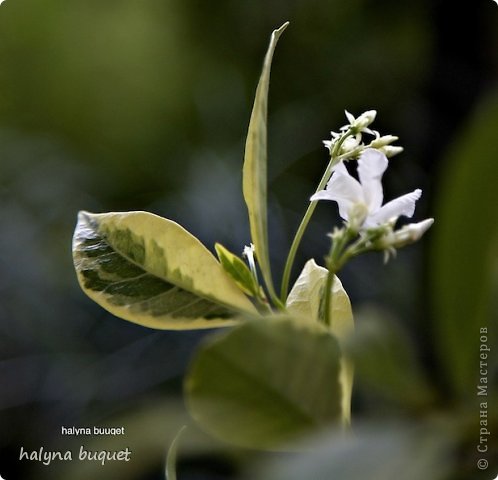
{"x":349,"y":138}
{"x":360,"y":200}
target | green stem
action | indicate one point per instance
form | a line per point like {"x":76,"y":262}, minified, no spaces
{"x":340,"y":253}
{"x":274,"y":297}
{"x":262,"y":305}
{"x":334,"y":159}
{"x":327,"y":301}
{"x":293,"y":250}
{"x":338,"y":256}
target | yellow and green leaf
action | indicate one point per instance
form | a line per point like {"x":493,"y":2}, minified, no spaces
{"x":305,"y":301}
{"x":151,"y":271}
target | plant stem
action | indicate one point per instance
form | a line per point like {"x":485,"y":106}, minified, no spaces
{"x":338,"y":256}
{"x":327,"y":301}
{"x":274,"y":297}
{"x":334,"y":159}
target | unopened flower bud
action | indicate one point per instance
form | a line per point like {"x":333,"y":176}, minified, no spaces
{"x":365,"y":119}
{"x":383,"y":141}
{"x":350,"y":143}
{"x":336,"y":234}
{"x":407,"y":234}
{"x":389,"y":150}
{"x":362,"y":122}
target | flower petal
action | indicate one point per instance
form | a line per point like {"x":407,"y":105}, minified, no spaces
{"x":350,"y":117}
{"x":321,"y":195}
{"x":371,"y":166}
{"x":404,"y":205}
{"x":328,"y":144}
{"x":343,"y":189}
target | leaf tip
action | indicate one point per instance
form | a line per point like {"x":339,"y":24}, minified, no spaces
{"x":283,"y":27}
{"x":276,"y":33}
{"x":84,"y":215}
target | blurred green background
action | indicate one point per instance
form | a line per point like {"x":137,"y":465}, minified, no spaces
{"x":143,"y":105}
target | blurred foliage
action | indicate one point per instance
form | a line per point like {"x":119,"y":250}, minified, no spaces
{"x":465,"y":277}
{"x":266,"y":383}
{"x":117,"y":105}
{"x":376,"y":452}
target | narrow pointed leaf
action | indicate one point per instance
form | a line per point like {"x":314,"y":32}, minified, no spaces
{"x":255,"y":165}
{"x":304,"y":301}
{"x":151,"y":271}
{"x":265,"y":383}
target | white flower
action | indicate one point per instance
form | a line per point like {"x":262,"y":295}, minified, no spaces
{"x":360,"y":202}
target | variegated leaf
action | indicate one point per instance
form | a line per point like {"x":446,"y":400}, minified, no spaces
{"x":151,"y":271}
{"x":255,"y":166}
{"x":305,"y":301}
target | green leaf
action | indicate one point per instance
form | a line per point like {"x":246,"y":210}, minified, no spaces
{"x":465,"y":250}
{"x":265,"y":383}
{"x":151,"y":271}
{"x":304,"y":301}
{"x":171,"y":457}
{"x":255,"y":166}
{"x":238,"y":270}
